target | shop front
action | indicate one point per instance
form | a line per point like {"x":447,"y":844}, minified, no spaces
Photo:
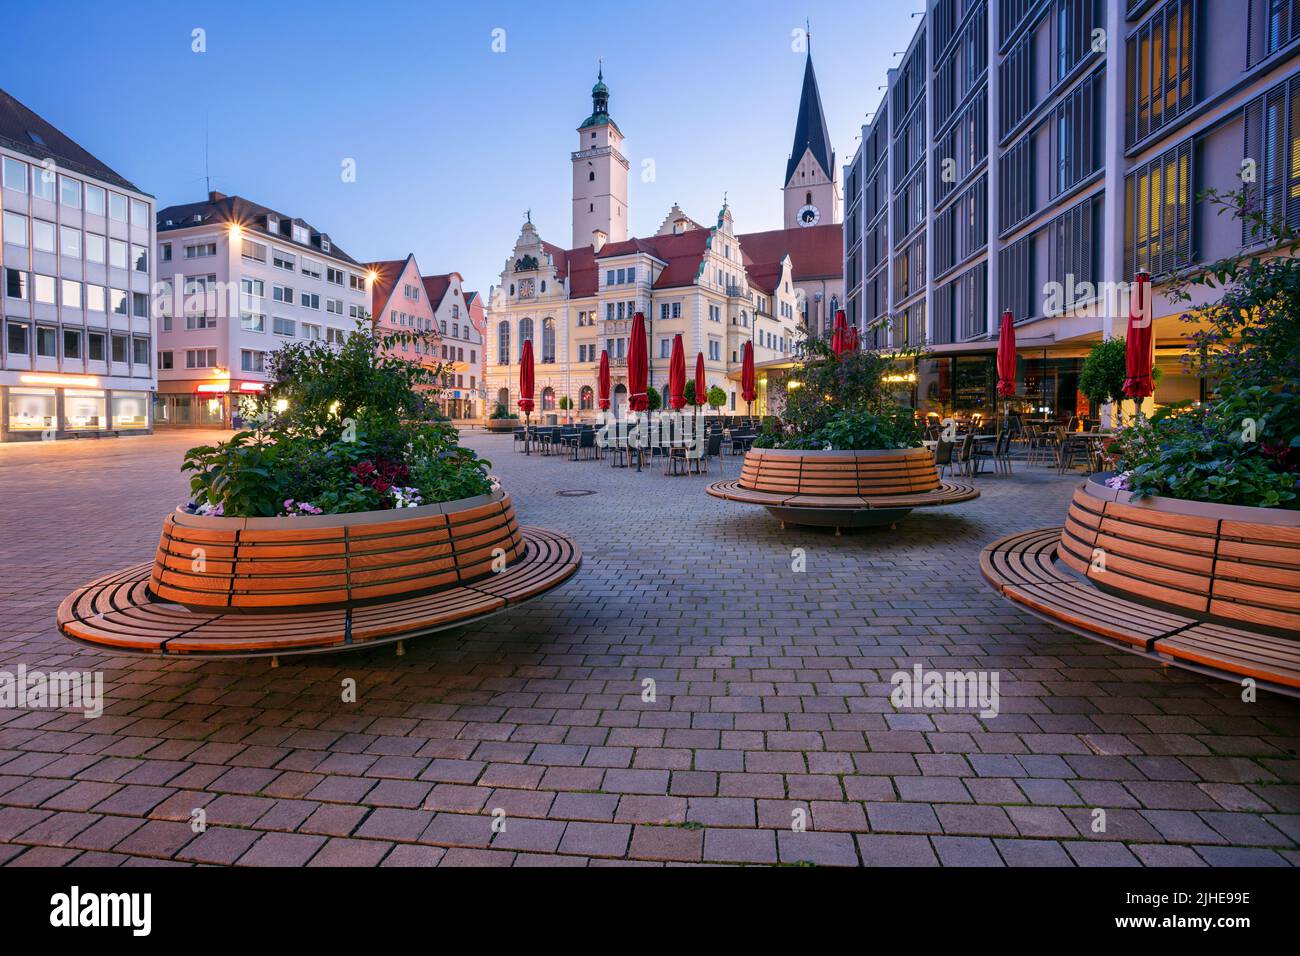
{"x":218,"y":404}
{"x":44,"y":410}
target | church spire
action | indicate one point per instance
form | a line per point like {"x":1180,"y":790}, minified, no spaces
{"x":599,"y":98}
{"x":810,"y":131}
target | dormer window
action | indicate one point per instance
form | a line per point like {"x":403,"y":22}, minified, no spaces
{"x":272,"y":223}
{"x":324,"y":244}
{"x":301,"y":234}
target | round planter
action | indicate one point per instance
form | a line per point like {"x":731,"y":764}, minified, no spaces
{"x":841,"y":489}
{"x":832,"y":473}
{"x":1229,"y":563}
{"x":501,"y":424}
{"x":272,"y":564}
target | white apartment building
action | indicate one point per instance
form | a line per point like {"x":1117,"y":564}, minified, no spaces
{"x":76,"y":354}
{"x":237,"y":280}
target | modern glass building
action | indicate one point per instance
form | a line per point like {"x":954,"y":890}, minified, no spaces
{"x":1033,"y":155}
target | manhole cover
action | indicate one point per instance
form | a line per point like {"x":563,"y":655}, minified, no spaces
{"x":575,"y":493}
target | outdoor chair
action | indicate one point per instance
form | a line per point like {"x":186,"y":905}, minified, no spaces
{"x":966,"y":456}
{"x":585,"y":446}
{"x":713,"y":451}
{"x":943,"y":456}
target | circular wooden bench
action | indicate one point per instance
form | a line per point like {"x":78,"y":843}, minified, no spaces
{"x":841,"y":489}
{"x":1215,"y":588}
{"x":275,"y":586}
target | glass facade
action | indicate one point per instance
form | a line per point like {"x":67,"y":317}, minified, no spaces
{"x":84,"y":409}
{"x":32,"y":409}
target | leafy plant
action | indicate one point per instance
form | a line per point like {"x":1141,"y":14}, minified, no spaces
{"x":654,"y":398}
{"x":716,"y":398}
{"x":1243,"y":446}
{"x":1104,"y":370}
{"x":340,"y":429}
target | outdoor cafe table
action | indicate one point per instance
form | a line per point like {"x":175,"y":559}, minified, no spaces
{"x":1065,"y":454}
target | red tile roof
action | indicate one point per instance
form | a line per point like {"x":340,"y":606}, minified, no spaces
{"x":381,"y":289}
{"x":435,"y":287}
{"x":815,"y":252}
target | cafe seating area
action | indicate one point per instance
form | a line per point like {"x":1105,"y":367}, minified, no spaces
{"x":670,"y":445}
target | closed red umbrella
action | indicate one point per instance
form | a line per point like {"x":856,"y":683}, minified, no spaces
{"x":677,"y":375}
{"x":748,"y":390}
{"x":852,"y":340}
{"x":1007,"y":357}
{"x":638,"y":367}
{"x":840,"y":333}
{"x":1139,"y":354}
{"x":526,"y":388}
{"x":701,"y":386}
{"x":602,"y":381}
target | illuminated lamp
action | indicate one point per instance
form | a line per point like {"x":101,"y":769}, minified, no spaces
{"x":71,"y":381}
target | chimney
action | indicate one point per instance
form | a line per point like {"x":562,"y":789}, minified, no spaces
{"x":598,"y":239}
{"x":215,"y":196}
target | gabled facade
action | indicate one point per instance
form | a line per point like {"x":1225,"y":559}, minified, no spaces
{"x":716,"y":287}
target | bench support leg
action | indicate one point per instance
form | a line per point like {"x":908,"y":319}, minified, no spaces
{"x":401,"y":648}
{"x":275,"y":661}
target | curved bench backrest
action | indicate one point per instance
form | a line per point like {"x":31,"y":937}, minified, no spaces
{"x":903,"y":471}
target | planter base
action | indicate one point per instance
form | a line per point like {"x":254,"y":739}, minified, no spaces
{"x":839,"y":517}
{"x":119,"y":613}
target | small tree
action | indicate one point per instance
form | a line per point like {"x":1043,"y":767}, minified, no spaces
{"x":566,"y":403}
{"x":1103,"y":373}
{"x":655,"y":400}
{"x":689,"y":391}
{"x":717,"y":398}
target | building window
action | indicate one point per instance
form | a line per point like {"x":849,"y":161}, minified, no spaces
{"x":525,"y":334}
{"x":117,"y":207}
{"x":1272,"y":141}
{"x":1160,"y":69}
{"x":95,"y":346}
{"x":16,"y":339}
{"x":1078,"y":128}
{"x":119,"y":343}
{"x":254,"y":250}
{"x":72,"y":343}
{"x":548,"y":340}
{"x":283,"y":260}
{"x":15,"y":174}
{"x":283,"y":326}
{"x":251,"y":360}
{"x":1157,"y":213}
{"x":140,"y":353}
{"x":503,"y":342}
{"x":165,"y":361}
{"x":200,"y":358}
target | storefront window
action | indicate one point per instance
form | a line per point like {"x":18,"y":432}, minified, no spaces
{"x":130,"y":409}
{"x":84,"y":408}
{"x":210,"y":411}
{"x":32,"y":409}
{"x":974,"y":386}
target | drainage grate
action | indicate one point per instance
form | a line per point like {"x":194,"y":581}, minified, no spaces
{"x":575,"y":493}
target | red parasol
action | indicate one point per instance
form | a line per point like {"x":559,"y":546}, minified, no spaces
{"x":526,"y":378}
{"x":602,"y":380}
{"x":840,"y":334}
{"x":1007,"y":357}
{"x":701,"y":386}
{"x":1139,"y":354}
{"x":852,"y":339}
{"x":638,"y":367}
{"x":748,"y":391}
{"x":677,"y":375}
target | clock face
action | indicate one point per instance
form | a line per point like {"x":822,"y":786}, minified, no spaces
{"x":809,"y":215}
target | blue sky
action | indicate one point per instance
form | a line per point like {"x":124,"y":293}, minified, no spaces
{"x":451,"y":141}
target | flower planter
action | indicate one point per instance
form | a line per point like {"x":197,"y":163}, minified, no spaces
{"x":249,"y":564}
{"x":1226,"y":562}
{"x":841,"y":488}
{"x":1211,"y":588}
{"x":244,"y":587}
{"x":502,"y":424}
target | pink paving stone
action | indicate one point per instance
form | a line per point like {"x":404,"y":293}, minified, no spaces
{"x":722,"y":811}
{"x":385,"y":823}
{"x":58,"y":829}
{"x":521,"y":833}
{"x":398,"y":793}
{"x":891,"y":850}
{"x":459,"y":829}
{"x":107,"y":833}
{"x":456,"y":797}
{"x":636,"y":781}
{"x":333,"y":820}
{"x":409,"y":854}
{"x":584,"y":806}
{"x":343,"y":852}
{"x":286,"y":815}
{"x":634,"y":808}
{"x":516,"y":776}
{"x":233,"y":809}
{"x":460,"y":856}
{"x":740,"y":846}
{"x":157,"y":838}
{"x":666,"y":843}
{"x":548,"y":860}
{"x":823,"y":849}
{"x":827,"y":815}
{"x":221,"y":845}
{"x":520,"y":803}
{"x":596,"y":839}
{"x":45,"y":856}
{"x":282,"y":849}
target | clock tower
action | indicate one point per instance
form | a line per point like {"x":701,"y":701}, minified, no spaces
{"x":812,"y":190}
{"x":599,"y":174}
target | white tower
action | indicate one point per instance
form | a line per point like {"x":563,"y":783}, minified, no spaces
{"x":812,"y":192}
{"x":599,"y":175}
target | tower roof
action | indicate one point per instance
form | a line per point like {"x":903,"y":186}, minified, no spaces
{"x":810,"y":127}
{"x":599,"y":103}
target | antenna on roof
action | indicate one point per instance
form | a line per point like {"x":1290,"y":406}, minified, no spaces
{"x":207,"y":174}
{"x":807,"y":30}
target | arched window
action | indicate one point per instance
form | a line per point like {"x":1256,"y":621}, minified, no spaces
{"x":525,"y":334}
{"x":591,"y":177}
{"x":548,"y":399}
{"x":503,"y":397}
{"x":586,"y":398}
{"x":503,"y":342}
{"x":807,"y":199}
{"x":548,"y":340}
{"x":543,"y":285}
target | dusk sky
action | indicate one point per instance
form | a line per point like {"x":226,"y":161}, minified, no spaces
{"x":451,"y":141}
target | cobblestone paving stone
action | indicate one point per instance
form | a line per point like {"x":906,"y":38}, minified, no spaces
{"x":771,"y":704}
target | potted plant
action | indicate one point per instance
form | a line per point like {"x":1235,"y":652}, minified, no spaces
{"x":566,"y":405}
{"x":846,"y":452}
{"x":716,"y":398}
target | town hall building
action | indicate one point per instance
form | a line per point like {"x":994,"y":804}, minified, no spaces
{"x":718,"y":288}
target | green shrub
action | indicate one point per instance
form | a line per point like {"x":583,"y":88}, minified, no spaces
{"x":359,"y":431}
{"x":716,"y":398}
